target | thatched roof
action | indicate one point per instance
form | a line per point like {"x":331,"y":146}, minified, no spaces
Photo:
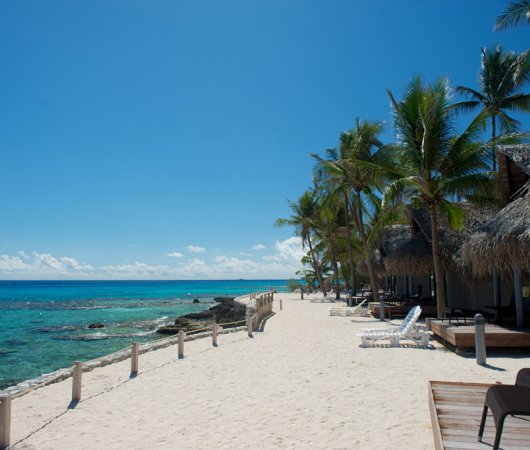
{"x":377,"y":263}
{"x":514,"y":171}
{"x":393,"y":238}
{"x":503,"y":240}
{"x":413,"y":257}
{"x":519,"y":154}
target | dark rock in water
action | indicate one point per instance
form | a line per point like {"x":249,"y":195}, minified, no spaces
{"x":186,"y":325}
{"x":168,"y":329}
{"x":196,"y":300}
{"x":15,"y":341}
{"x":223,"y":299}
{"x":96,"y":325}
{"x":4,"y":351}
{"x":226,"y":311}
{"x":203,"y":315}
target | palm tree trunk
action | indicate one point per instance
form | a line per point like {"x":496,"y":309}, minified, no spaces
{"x":503,"y":176}
{"x":493,"y":152}
{"x":316,"y":266}
{"x":335,"y":267}
{"x":344,"y":267}
{"x":367,"y":249}
{"x":349,"y":241}
{"x":437,"y":262}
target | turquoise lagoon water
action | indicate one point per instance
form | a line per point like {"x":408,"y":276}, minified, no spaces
{"x":44,"y":324}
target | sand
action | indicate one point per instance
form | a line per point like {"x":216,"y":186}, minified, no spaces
{"x":304,"y":382}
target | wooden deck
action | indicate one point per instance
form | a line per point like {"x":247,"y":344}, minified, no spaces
{"x":456,"y":410}
{"x":463,"y":336}
{"x":390,"y":310}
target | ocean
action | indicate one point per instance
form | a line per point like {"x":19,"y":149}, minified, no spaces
{"x":44,"y":324}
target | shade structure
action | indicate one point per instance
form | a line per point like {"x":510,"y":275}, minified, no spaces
{"x":503,"y":241}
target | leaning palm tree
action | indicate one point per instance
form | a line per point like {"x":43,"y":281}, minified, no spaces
{"x":436,"y":167}
{"x":304,"y":219}
{"x":514,"y":14}
{"x":359,"y":146}
{"x":336,"y":187}
{"x":328,"y":233}
{"x":502,"y":74}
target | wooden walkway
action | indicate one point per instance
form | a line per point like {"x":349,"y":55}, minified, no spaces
{"x":462,"y":336}
{"x":456,"y":410}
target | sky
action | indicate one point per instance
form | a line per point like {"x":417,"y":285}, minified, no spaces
{"x":162,"y":139}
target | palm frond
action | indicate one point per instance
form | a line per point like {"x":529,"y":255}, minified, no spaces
{"x":514,"y":14}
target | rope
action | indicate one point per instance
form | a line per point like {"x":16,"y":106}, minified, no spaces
{"x":124,"y":353}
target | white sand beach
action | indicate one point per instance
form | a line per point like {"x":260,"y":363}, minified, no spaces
{"x":304,"y":382}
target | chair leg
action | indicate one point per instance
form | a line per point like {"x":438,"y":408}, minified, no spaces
{"x":482,"y":423}
{"x":498,"y":433}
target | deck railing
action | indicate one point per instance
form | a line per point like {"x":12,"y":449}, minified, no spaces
{"x":259,"y":307}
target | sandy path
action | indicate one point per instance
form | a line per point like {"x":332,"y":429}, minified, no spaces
{"x":304,"y":382}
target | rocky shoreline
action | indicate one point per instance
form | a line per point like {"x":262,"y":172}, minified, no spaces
{"x":226,"y":311}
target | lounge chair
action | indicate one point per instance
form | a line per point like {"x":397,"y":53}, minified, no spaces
{"x":407,"y":330}
{"x":329,"y":298}
{"x":407,"y":318}
{"x":348,"y":311}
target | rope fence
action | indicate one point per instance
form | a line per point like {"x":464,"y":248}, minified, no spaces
{"x":258,"y":308}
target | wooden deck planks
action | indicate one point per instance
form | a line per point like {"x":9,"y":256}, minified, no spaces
{"x":464,"y":335}
{"x":456,"y":410}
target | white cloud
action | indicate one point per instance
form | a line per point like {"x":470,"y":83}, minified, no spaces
{"x":258,"y":247}
{"x":290,"y":249}
{"x":39,"y":264}
{"x":175,"y":255}
{"x":283,"y":263}
{"x":245,"y":254}
{"x":195,"y":249}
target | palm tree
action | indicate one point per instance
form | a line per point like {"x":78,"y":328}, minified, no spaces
{"x":328,"y":231}
{"x":304,"y":220}
{"x":361,"y":145}
{"x":335,"y":187}
{"x":436,"y":167}
{"x":501,"y":77}
{"x":514,"y":14}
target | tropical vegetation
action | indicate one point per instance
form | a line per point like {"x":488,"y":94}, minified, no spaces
{"x":438,"y":162}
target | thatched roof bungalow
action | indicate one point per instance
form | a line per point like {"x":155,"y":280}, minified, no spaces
{"x":502,"y":242}
{"x":514,"y":170}
{"x":413,"y":257}
{"x":393,"y":238}
{"x":500,"y":249}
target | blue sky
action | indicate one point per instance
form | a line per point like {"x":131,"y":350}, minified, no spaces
{"x":133,"y":130}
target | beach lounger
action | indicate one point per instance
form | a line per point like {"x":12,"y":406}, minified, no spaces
{"x":349,"y":311}
{"x":408,"y":318}
{"x":329,"y":298}
{"x":407,"y":330}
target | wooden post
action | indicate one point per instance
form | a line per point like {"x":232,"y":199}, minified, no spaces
{"x":281,"y":304}
{"x":181,"y":344}
{"x":5,"y":421}
{"x":134,"y":357}
{"x":496,"y":297}
{"x":518,"y":296}
{"x":76,"y":381}
{"x":214,"y":334}
{"x":249,"y":327}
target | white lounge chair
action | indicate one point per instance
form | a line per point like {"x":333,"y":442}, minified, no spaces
{"x":407,"y":330}
{"x":329,"y":298}
{"x":407,"y":319}
{"x":348,"y":311}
